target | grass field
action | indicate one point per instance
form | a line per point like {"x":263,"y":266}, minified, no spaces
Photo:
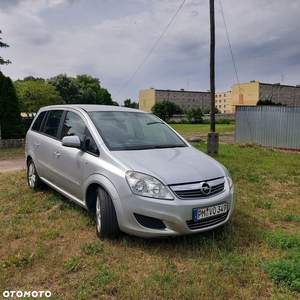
{"x":49,"y":244}
{"x":202,"y":129}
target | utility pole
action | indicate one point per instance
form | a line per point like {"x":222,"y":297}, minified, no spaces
{"x":212,"y":65}
{"x":212,"y":137}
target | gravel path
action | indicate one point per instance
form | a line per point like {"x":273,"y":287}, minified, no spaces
{"x":15,"y":164}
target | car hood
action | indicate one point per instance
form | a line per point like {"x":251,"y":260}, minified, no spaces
{"x":172,"y":165}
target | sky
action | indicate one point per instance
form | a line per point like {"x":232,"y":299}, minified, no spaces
{"x":132,"y":45}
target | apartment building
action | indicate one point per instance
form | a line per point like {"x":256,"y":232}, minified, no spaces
{"x":223,"y":102}
{"x":241,"y":94}
{"x":250,"y":93}
{"x":184,"y":99}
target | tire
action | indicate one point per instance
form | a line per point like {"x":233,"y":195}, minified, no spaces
{"x":106,"y":218}
{"x":33,"y":178}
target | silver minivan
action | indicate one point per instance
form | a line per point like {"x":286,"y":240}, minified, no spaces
{"x":129,"y":168}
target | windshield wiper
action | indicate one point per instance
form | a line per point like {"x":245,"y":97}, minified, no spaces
{"x":151,"y":123}
{"x":147,"y":147}
{"x":141,"y":147}
{"x":169,"y":146}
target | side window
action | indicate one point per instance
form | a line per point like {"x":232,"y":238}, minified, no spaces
{"x":38,"y":121}
{"x":90,"y":143}
{"x":52,"y":123}
{"x":73,"y":125}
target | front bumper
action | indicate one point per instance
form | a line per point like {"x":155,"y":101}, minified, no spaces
{"x":149,"y":218}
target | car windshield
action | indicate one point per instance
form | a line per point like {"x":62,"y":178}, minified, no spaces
{"x":134,"y":131}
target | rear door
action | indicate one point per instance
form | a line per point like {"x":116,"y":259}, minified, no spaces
{"x":68,"y":162}
{"x":48,"y":139}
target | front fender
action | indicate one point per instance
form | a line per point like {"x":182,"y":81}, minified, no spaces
{"x":104,"y":182}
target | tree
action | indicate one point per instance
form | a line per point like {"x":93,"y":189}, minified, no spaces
{"x":194,"y":115}
{"x":67,"y":88}
{"x":105,"y":97}
{"x":128,"y":103}
{"x":3,"y":45}
{"x":207,"y":110}
{"x":32,"y":78}
{"x":267,"y":102}
{"x":91,"y":90}
{"x":83,"y":89}
{"x":166,"y":109}
{"x":10,"y":114}
{"x":35,"y":94}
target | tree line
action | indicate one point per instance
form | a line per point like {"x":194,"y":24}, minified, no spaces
{"x":166,"y":109}
{"x":34,"y":93}
{"x":30,"y":94}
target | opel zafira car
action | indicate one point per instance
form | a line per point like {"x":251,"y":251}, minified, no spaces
{"x":129,"y":168}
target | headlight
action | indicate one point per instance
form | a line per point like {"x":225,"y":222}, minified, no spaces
{"x":229,"y":179}
{"x":230,"y":183}
{"x":148,"y":186}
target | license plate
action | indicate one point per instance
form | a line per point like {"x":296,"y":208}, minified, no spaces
{"x":202,"y":213}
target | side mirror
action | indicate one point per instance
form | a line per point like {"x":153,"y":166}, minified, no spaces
{"x":71,"y":141}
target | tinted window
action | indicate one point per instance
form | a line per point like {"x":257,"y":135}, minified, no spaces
{"x":52,"y":124}
{"x":38,"y":121}
{"x":73,"y":125}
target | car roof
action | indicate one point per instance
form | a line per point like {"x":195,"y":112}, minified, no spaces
{"x":92,"y":107}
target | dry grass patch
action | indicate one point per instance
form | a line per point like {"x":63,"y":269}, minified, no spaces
{"x":10,"y":153}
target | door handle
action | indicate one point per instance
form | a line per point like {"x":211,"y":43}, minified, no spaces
{"x":56,"y":154}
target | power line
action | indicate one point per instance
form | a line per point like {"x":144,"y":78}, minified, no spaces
{"x":236,"y":73}
{"x":150,"y":50}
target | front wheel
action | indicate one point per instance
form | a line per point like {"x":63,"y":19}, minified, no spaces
{"x":106,"y":218}
{"x":33,"y":178}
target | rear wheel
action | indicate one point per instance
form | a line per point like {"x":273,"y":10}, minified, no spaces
{"x":33,"y":178}
{"x":106,"y":218}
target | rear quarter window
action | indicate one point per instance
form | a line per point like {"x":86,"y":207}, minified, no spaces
{"x":38,"y":121}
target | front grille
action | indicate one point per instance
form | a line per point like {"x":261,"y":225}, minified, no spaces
{"x":193,"y":191}
{"x":149,"y":222}
{"x":211,"y":221}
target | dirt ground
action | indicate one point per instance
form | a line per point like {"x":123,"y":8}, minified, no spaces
{"x":12,"y":164}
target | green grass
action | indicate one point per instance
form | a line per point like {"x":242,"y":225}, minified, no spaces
{"x":202,"y":129}
{"x":49,"y":243}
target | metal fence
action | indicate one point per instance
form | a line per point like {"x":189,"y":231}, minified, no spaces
{"x":272,"y":126}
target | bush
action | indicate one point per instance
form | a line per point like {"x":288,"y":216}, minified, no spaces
{"x":166,"y":110}
{"x":194,"y":115}
{"x":223,"y":121}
